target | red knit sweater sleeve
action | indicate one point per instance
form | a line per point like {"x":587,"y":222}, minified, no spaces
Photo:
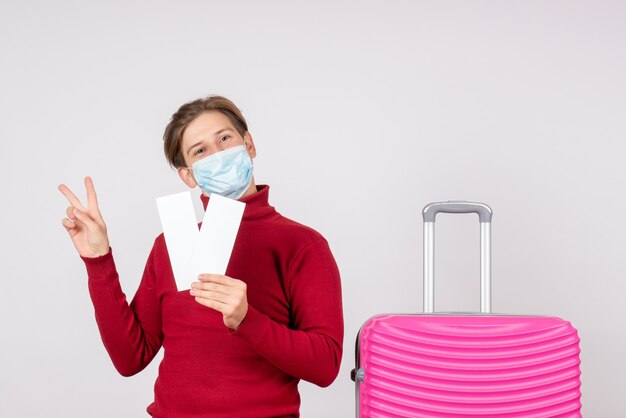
{"x":311,"y":348}
{"x":132,"y":333}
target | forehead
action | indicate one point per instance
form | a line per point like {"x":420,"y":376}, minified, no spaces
{"x":204,"y":126}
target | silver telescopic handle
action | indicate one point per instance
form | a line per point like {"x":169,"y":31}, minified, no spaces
{"x":484,"y":214}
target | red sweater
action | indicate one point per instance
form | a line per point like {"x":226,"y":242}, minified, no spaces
{"x":293,"y":329}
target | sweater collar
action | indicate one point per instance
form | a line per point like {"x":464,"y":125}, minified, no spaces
{"x":257,"y":204}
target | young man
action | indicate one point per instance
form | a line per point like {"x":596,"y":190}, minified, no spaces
{"x":235,"y":345}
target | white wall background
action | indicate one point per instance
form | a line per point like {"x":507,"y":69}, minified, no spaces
{"x":362,"y":113}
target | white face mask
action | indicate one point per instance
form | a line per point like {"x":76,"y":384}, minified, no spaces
{"x":227,"y":173}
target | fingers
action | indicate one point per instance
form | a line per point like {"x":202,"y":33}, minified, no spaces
{"x":83,"y":218}
{"x":227,"y":295}
{"x":214,"y":287}
{"x":92,"y":198}
{"x":223,"y":294}
{"x":218,"y":306}
{"x":70,"y":196}
{"x":92,"y":201}
{"x":230,"y":307}
{"x":212,"y":295}
{"x":218,"y":278}
{"x":68,"y":224}
{"x":70,"y":227}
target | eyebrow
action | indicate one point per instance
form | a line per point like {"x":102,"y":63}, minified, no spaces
{"x":202,"y":140}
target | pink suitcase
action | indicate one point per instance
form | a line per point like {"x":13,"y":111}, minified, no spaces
{"x":466,"y":365}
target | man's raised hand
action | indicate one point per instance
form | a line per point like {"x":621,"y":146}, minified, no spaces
{"x":85,"y":224}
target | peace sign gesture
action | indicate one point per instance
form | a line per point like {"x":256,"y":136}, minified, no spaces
{"x":85,"y":224}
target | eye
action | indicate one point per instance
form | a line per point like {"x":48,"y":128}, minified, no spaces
{"x":224,"y":138}
{"x":198,"y":151}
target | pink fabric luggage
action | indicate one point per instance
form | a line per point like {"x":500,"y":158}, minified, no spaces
{"x":466,"y":365}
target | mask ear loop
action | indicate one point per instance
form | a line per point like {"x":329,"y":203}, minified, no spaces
{"x":245,"y":144}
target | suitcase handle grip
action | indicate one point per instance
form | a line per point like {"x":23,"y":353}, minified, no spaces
{"x":484,"y":215}
{"x":484,"y":212}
